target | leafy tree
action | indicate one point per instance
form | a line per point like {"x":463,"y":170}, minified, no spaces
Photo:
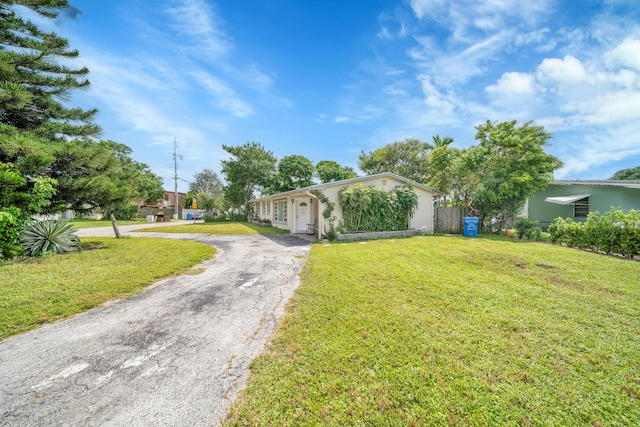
{"x":32,"y":81}
{"x":408,"y":158}
{"x":144,"y":185}
{"x":329,"y":171}
{"x":23,"y":189}
{"x":627,"y":174}
{"x":19,"y":197}
{"x":208,"y":182}
{"x":494,"y":178}
{"x":206,"y":189}
{"x":250,"y":170}
{"x":294,"y":171}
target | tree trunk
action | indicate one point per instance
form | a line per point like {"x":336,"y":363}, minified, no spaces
{"x":115,"y":226}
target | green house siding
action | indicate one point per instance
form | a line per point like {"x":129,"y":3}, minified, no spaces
{"x":601,"y":199}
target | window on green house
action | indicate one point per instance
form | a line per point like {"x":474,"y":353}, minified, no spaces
{"x":581,"y":208}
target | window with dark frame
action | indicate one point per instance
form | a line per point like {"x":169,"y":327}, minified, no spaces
{"x":581,"y":208}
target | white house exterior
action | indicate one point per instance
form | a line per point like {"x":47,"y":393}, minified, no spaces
{"x":299,"y":211}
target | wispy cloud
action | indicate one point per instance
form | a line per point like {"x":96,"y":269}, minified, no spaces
{"x":222,"y":95}
{"x":195,"y":19}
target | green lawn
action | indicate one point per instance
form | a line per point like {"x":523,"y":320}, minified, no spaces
{"x":89,"y":223}
{"x":229,"y":227}
{"x":54,"y":287}
{"x":444,"y":330}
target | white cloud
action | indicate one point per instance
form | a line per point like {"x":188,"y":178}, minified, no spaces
{"x":513,"y":84}
{"x":568,"y":70}
{"x":459,"y":66}
{"x":611,"y":108}
{"x":342,"y":119}
{"x":626,"y":54}
{"x":464,"y":17}
{"x":596,"y":149}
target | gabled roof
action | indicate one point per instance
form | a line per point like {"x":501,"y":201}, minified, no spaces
{"x":344,"y":182}
{"x":601,"y":183}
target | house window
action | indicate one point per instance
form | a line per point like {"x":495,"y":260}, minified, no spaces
{"x":268,"y":208}
{"x":581,"y":208}
{"x":280,"y":210}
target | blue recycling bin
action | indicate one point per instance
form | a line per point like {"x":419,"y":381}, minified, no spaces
{"x":189,"y":217}
{"x":470,"y":225}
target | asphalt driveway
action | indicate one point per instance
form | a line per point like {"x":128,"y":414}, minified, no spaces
{"x":175,"y":355}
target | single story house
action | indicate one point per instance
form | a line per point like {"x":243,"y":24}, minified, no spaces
{"x":300,"y":211}
{"x":575,"y":199}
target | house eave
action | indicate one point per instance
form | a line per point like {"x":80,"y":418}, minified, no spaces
{"x":600,"y":183}
{"x":322,"y":187}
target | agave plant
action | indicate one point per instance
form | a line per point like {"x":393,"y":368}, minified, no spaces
{"x":49,"y":237}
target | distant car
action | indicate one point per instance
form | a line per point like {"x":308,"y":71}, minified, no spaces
{"x":199,"y":215}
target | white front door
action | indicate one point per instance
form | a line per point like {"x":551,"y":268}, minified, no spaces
{"x":302,"y":216}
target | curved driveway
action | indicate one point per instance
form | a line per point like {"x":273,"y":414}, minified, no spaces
{"x":176,"y":354}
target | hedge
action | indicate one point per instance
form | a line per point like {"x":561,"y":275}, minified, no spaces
{"x":612,"y":233}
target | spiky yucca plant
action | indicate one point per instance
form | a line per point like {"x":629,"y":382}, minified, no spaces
{"x":49,"y":237}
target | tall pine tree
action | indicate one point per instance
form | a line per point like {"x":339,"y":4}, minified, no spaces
{"x":32,"y":81}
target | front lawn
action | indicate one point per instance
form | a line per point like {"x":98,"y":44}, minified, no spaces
{"x":444,"y":330}
{"x":44,"y":290}
{"x":229,"y":227}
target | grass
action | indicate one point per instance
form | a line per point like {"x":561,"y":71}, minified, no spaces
{"x":55,"y":287}
{"x":444,"y":330}
{"x":228,"y":227}
{"x":89,"y":223}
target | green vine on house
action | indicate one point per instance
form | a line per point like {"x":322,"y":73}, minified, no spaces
{"x":374,"y":208}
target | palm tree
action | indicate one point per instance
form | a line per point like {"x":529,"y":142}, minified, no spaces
{"x":441,"y":142}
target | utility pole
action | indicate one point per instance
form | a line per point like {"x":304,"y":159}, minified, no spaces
{"x":175,"y":174}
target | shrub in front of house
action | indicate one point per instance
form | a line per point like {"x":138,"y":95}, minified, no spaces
{"x":612,"y":233}
{"x":526,"y":228}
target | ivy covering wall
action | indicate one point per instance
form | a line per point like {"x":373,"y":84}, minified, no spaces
{"x":374,"y":208}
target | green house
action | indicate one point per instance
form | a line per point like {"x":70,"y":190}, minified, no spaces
{"x":575,"y":199}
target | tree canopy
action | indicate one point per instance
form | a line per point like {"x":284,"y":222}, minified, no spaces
{"x":50,"y":159}
{"x":329,"y":170}
{"x":207,"y":182}
{"x":293,"y":172}
{"x":206,"y":189}
{"x":251,"y":169}
{"x":495,"y":177}
{"x":627,"y":174}
{"x":32,"y":80}
{"x":408,"y":158}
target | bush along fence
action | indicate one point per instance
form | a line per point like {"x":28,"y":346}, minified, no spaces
{"x":612,"y":233}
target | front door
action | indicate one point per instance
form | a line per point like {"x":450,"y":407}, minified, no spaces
{"x":302,"y":216}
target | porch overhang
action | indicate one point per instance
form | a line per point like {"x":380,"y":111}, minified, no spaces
{"x":566,"y":200}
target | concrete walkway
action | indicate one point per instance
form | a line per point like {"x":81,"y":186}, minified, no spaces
{"x":175,"y":355}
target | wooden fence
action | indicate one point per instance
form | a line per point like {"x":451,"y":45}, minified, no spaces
{"x":448,"y":219}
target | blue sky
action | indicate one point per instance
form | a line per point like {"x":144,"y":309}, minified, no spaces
{"x":328,"y":79}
